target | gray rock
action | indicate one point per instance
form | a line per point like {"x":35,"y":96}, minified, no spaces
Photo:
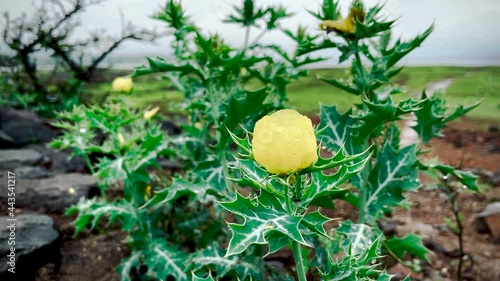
{"x":13,"y":158}
{"x":59,"y":161}
{"x":27,"y":172}
{"x":37,"y":243}
{"x":388,"y":227}
{"x":53,"y":194}
{"x":488,"y":221}
{"x":494,"y":178}
{"x":22,"y":128}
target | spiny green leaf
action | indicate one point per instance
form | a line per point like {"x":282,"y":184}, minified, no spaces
{"x":244,"y":265}
{"x":159,"y":65}
{"x":393,"y":174}
{"x":177,"y":189}
{"x":195,"y":277}
{"x":241,"y":107}
{"x":259,"y":220}
{"x":128,"y":264}
{"x":468,"y":179}
{"x":358,"y":237}
{"x":401,"y":49}
{"x":166,"y":260}
{"x":91,"y":211}
{"x":212,"y":172}
{"x":342,"y":86}
{"x":410,"y":243}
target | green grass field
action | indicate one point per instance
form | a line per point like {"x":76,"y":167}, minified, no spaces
{"x":468,"y":84}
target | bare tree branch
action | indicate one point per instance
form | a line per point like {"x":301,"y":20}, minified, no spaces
{"x":50,"y":31}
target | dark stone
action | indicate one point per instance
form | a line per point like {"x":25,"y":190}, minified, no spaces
{"x":488,"y":221}
{"x":387,"y":227}
{"x":60,"y":161}
{"x":493,"y":148}
{"x":494,"y":128}
{"x":169,"y":164}
{"x":170,"y":127}
{"x":37,"y":243}
{"x":13,"y":158}
{"x":23,"y":127}
{"x":494,"y":179}
{"x":53,"y":194}
{"x":27,"y":172}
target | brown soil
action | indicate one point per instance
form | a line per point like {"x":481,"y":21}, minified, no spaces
{"x":93,"y":257}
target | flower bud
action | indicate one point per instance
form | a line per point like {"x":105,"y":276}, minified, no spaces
{"x":150,"y":113}
{"x":284,"y":142}
{"x":122,"y":84}
{"x":121,"y":139}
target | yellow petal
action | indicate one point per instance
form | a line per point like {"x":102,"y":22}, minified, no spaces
{"x":150,"y":113}
{"x":121,"y":139}
{"x":122,"y":84}
{"x":340,"y":26}
{"x":284,"y":142}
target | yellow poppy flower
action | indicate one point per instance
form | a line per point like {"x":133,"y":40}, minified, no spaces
{"x":284,"y":142}
{"x":122,"y":84}
{"x":345,"y":25}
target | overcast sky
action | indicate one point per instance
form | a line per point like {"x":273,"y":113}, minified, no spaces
{"x":467,"y":31}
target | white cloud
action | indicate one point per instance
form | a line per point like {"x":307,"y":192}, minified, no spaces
{"x":465,"y":30}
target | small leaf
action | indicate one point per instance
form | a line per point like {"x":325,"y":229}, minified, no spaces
{"x":259,"y":220}
{"x":410,"y":243}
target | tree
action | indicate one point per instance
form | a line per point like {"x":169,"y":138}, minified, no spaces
{"x":50,"y":32}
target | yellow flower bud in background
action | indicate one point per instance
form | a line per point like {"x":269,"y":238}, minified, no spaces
{"x":150,"y":113}
{"x":342,"y":26}
{"x":284,"y":142}
{"x":121,"y":139}
{"x":243,"y":72}
{"x":122,"y":84}
{"x":345,"y":26}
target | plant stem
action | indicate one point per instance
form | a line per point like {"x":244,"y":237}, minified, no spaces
{"x":361,"y":71}
{"x":92,"y":171}
{"x":247,"y":38}
{"x":453,"y":197}
{"x":299,"y":263}
{"x":460,"y":244}
{"x":365,"y":173}
{"x":225,"y":170}
{"x":256,"y":40}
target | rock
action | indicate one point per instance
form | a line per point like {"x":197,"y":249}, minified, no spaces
{"x":494,"y":128}
{"x":170,"y":127}
{"x":59,"y":161}
{"x":53,"y":194}
{"x":400,"y":272}
{"x":27,"y":172}
{"x":407,"y":225}
{"x":488,"y":221}
{"x":493,"y":148}
{"x":37,"y":243}
{"x":493,"y":194}
{"x":22,"y":127}
{"x":277,"y":266}
{"x":169,"y":164}
{"x":13,"y":158}
{"x":494,"y":179}
{"x":387,"y":227}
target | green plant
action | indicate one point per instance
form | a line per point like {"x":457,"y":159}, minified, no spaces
{"x":452,"y":183}
{"x":175,"y":224}
{"x":371,"y":125}
{"x":224,"y":86}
